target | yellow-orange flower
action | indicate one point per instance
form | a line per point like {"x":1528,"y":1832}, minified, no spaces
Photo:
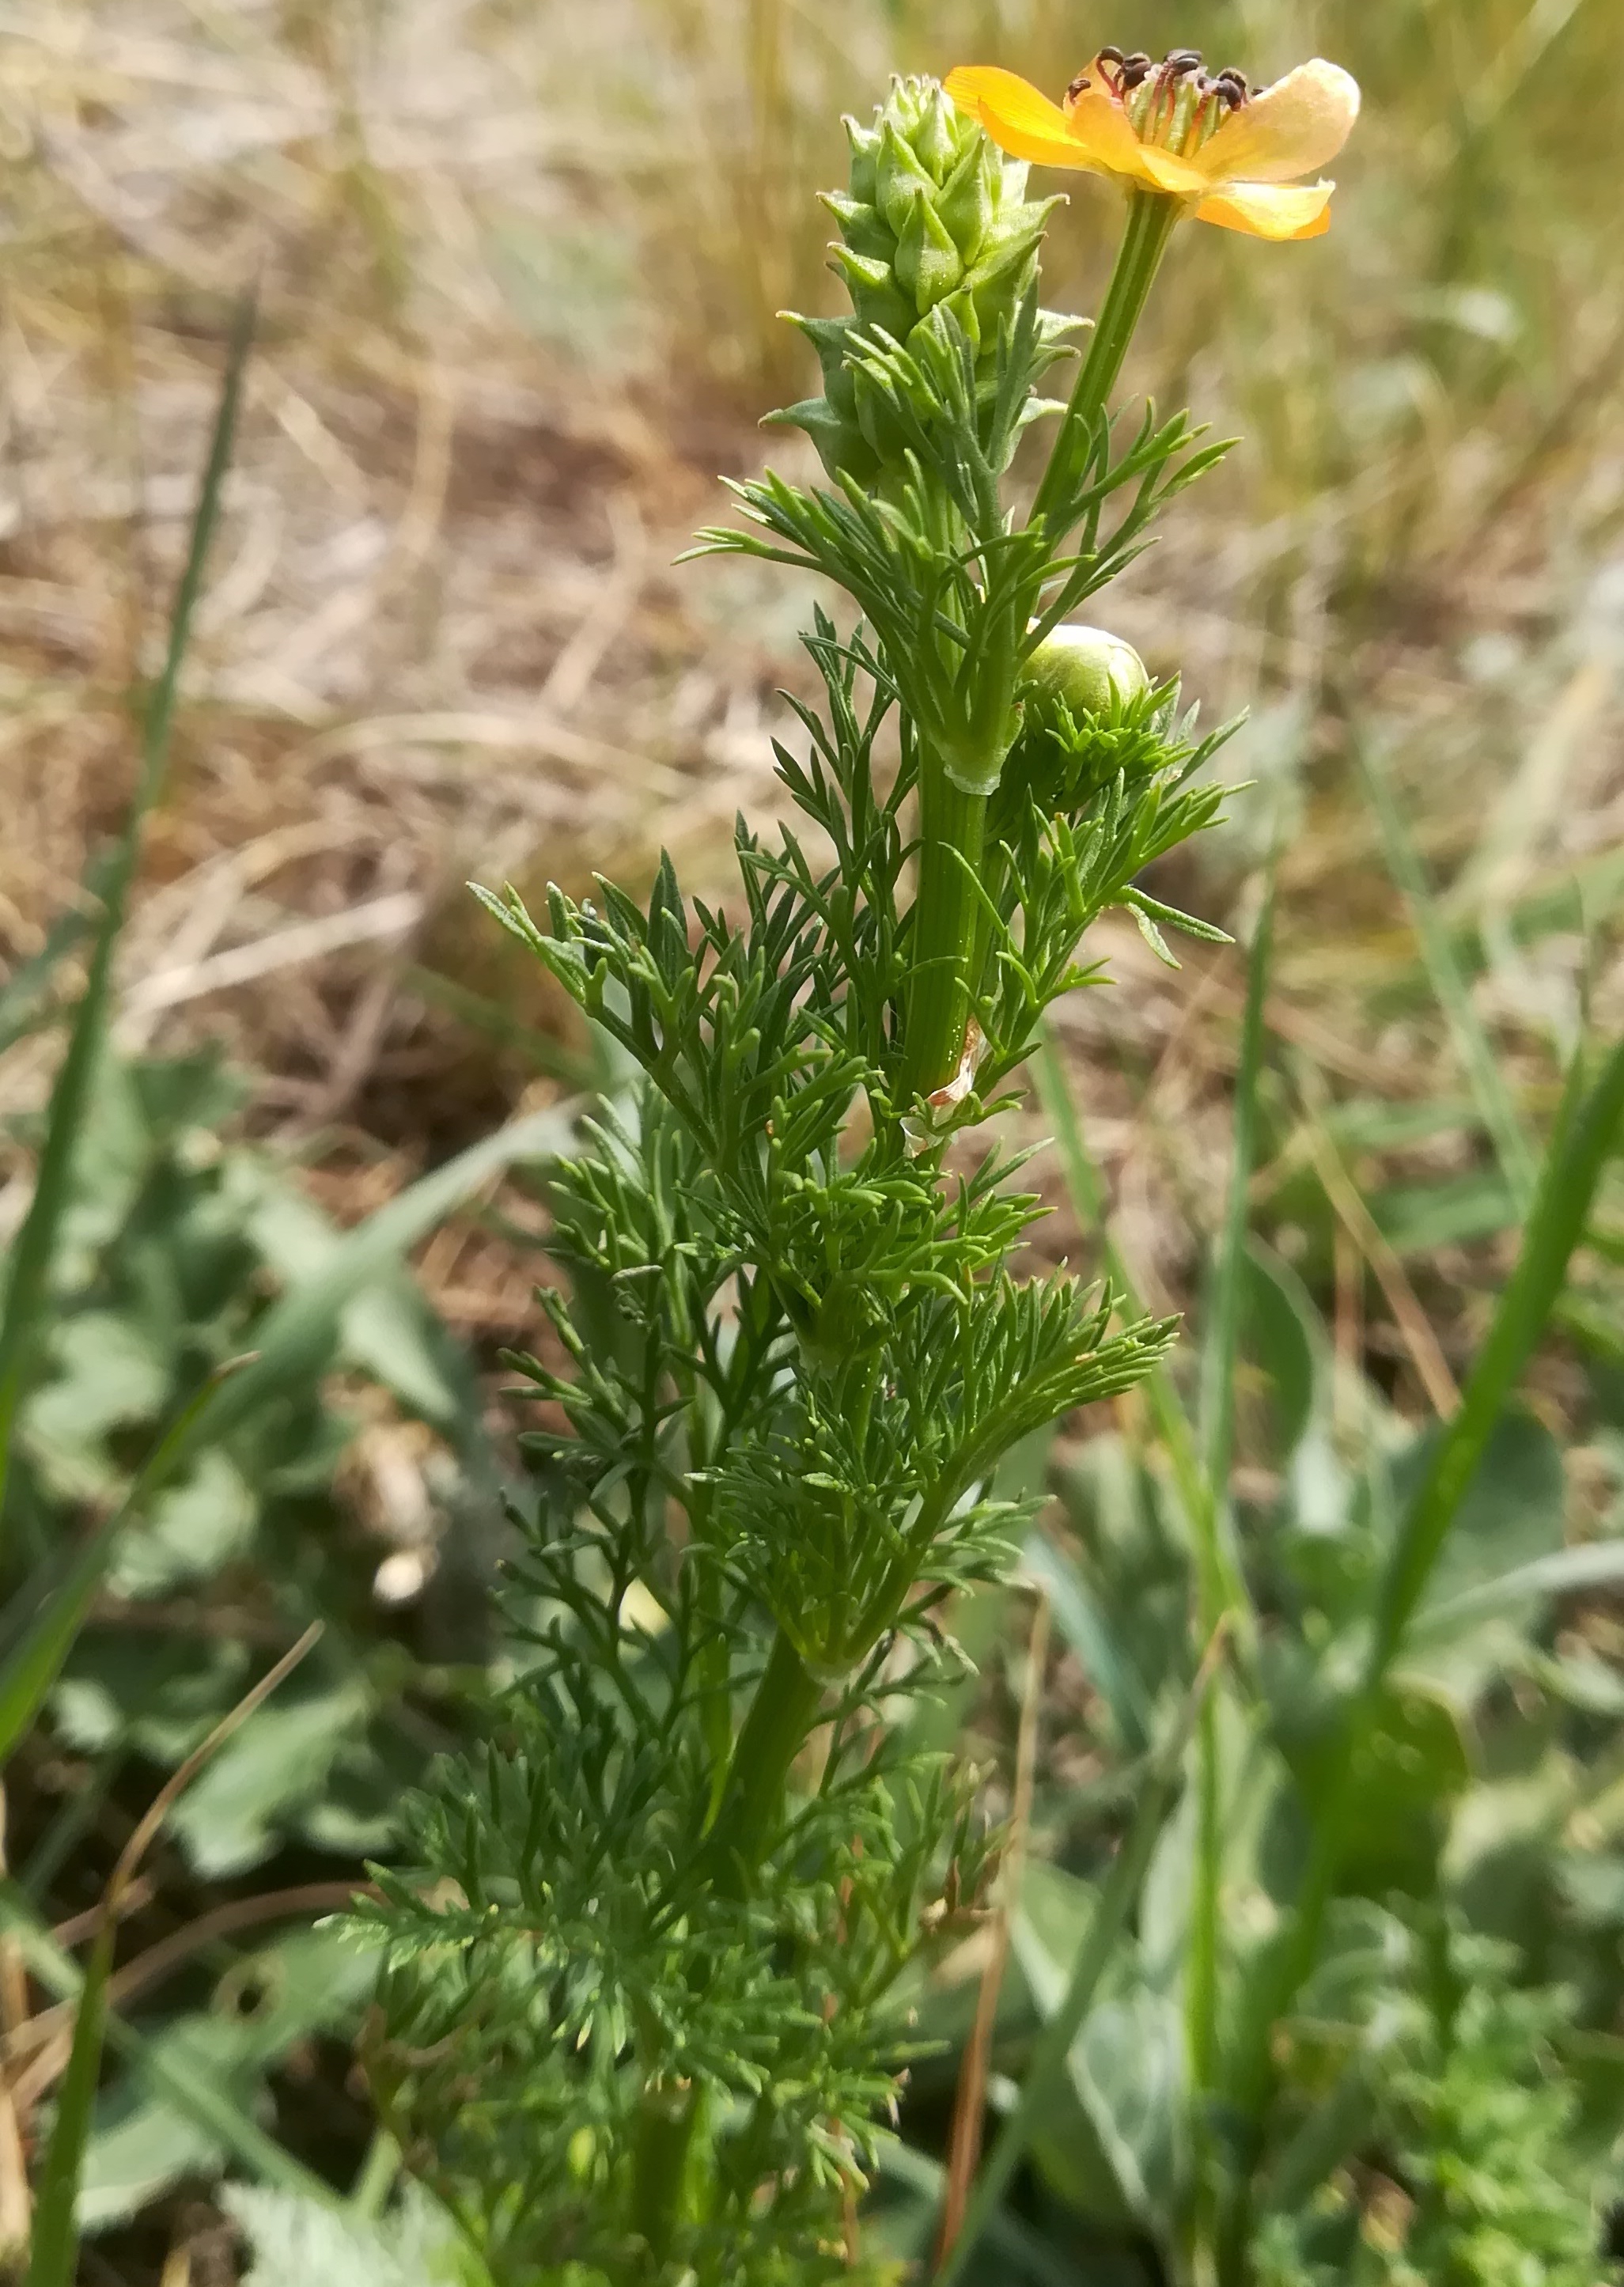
{"x":1230,"y":152}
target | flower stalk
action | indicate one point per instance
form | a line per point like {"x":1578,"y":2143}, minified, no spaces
{"x":1152,"y":216}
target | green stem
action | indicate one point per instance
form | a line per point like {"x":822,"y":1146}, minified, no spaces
{"x":948,"y":939}
{"x":782,"y":1713}
{"x":952,"y":835}
{"x":1151,"y":217}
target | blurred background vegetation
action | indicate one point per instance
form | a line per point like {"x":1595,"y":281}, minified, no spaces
{"x":519,"y":269}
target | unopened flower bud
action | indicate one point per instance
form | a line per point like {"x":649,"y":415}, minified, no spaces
{"x":933,"y":217}
{"x":1093,"y":671}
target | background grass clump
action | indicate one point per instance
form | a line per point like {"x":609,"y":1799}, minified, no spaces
{"x":498,"y":365}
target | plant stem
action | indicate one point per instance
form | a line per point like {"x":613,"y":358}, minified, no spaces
{"x":949,"y":937}
{"x":952,"y":835}
{"x":1151,"y":217}
{"x":780,"y":1715}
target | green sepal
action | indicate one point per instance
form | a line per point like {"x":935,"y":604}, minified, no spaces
{"x":937,"y":140}
{"x":927,"y":264}
{"x":862,"y":225}
{"x":842,"y":446}
{"x":901,"y":182}
{"x":966,"y":203}
{"x":878,"y":299}
{"x":865,"y":143}
{"x":828,"y":337}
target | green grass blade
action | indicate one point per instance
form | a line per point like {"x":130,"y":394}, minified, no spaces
{"x":31,"y":1256}
{"x":1493,"y":1100}
{"x":1223,"y":1330}
{"x":295,"y":1338}
{"x":1117,"y":1897}
{"x":1221,"y":1585}
{"x":53,"y":2258}
{"x":1088,"y":1201}
{"x":1586,"y":1135}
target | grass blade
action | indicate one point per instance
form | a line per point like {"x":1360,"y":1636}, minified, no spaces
{"x":1586,"y":1136}
{"x":1117,"y":1899}
{"x":1217,"y":1558}
{"x":1493,"y":1100}
{"x":53,"y":2258}
{"x":1088,"y":1202}
{"x":1222,"y":1332}
{"x":31,"y":1257}
{"x":22,"y":994}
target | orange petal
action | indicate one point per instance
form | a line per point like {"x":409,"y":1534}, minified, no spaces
{"x":1018,"y":117}
{"x":1293,"y":128}
{"x":1101,"y":126}
{"x":1270,"y":209}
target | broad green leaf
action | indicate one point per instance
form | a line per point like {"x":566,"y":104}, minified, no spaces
{"x":1499,"y":1865}
{"x":1409,"y":1762}
{"x":181,"y":2080}
{"x":1508,"y":1526}
{"x":315,"y":1981}
{"x":192,"y":1528}
{"x":228,"y":1819}
{"x":110,"y":1375}
{"x":1510,"y":1512}
{"x":294,"y":1342}
{"x":900,"y":2218}
{"x":1455,"y":1211}
{"x":1593,"y":1565}
{"x":34,"y":1661}
{"x":295,"y":2243}
{"x":1083,"y":1624}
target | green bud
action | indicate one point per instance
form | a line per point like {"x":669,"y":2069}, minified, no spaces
{"x":1093,"y":671}
{"x":933,"y":217}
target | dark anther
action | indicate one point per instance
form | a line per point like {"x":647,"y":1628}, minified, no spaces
{"x":1110,"y":56}
{"x":1184,"y":59}
{"x":1077,"y":86}
{"x":1135,"y":71}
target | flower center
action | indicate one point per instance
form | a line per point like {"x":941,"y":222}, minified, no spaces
{"x":1174,"y":103}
